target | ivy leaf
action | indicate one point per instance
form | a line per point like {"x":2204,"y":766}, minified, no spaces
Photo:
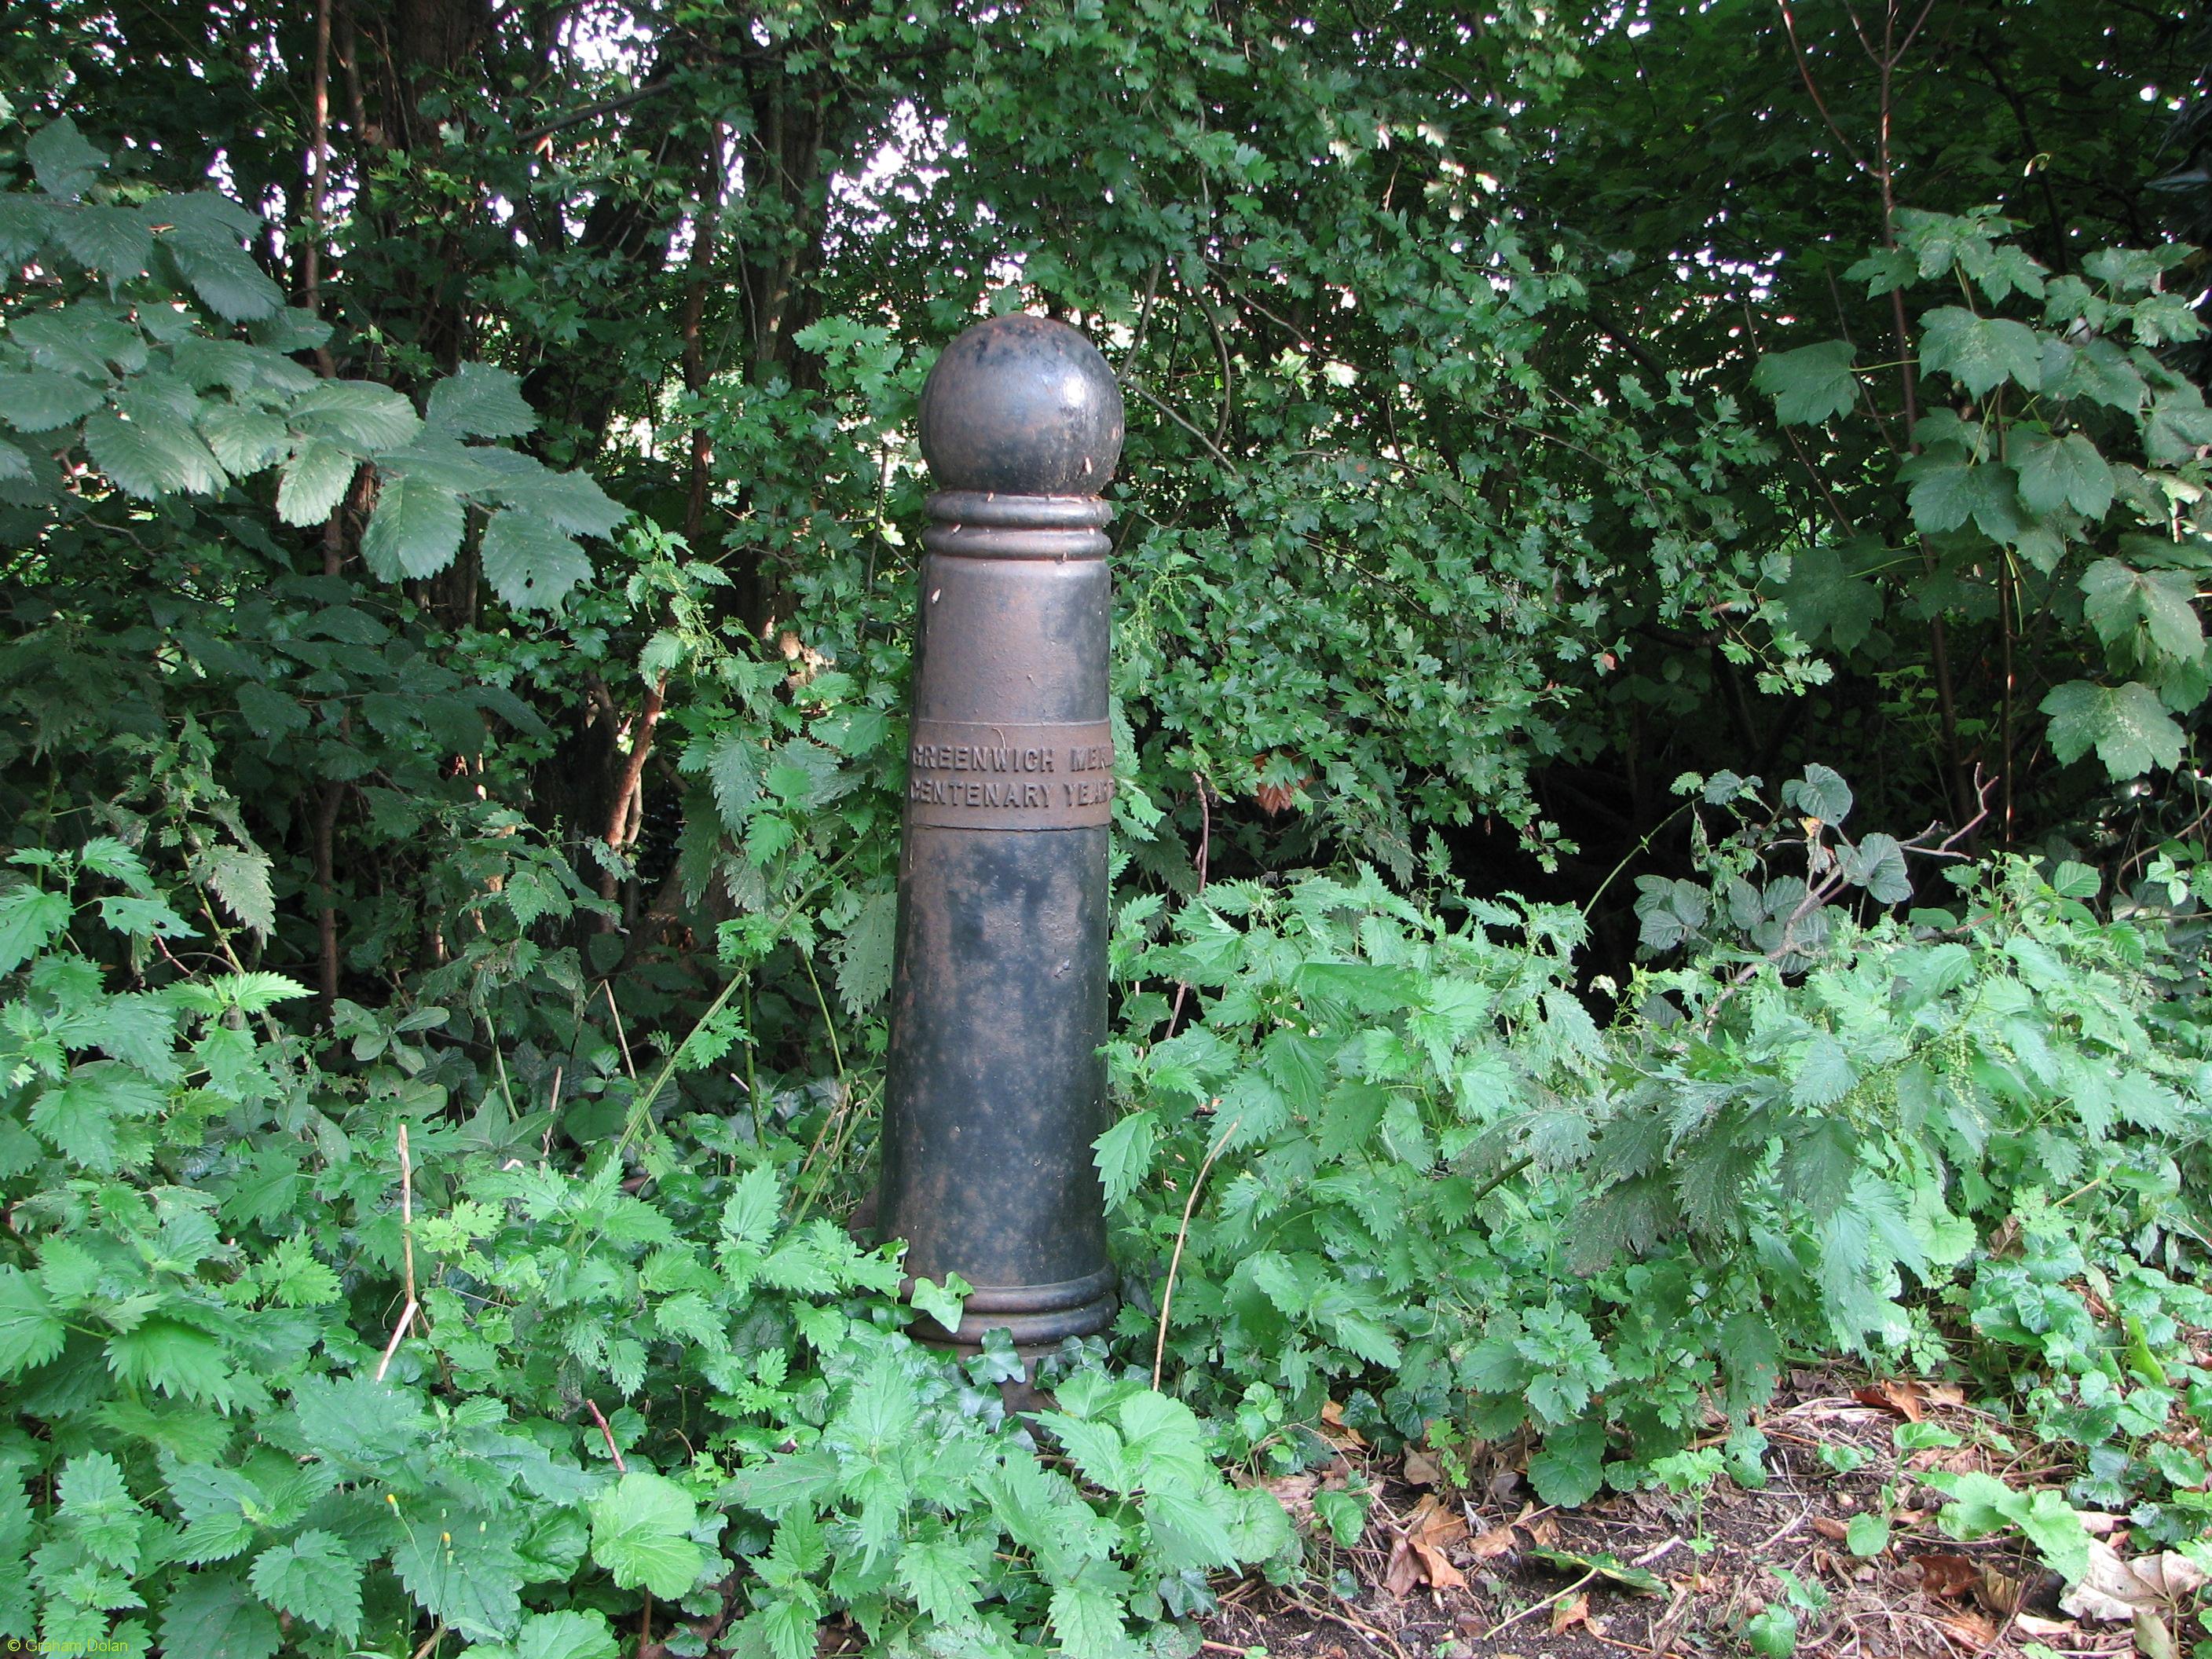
{"x":415,"y":531}
{"x":311,"y":1577}
{"x":1980,"y":352}
{"x":641,"y":1532}
{"x":315,"y":481}
{"x":2127,"y":726}
{"x":2063,"y":471}
{"x":479,"y":401}
{"x":213,"y":1615}
{"x":530,"y":562}
{"x":63,"y":161}
{"x":2117,"y":600}
{"x":38,"y":399}
{"x":1810,"y":383}
{"x":1124,"y":1155}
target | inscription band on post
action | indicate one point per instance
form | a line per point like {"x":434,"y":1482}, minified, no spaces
{"x":967,"y":774}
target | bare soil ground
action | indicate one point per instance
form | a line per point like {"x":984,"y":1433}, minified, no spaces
{"x":1477,"y":1569}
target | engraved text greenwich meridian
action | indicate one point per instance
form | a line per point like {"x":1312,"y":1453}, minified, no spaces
{"x":974,"y":776}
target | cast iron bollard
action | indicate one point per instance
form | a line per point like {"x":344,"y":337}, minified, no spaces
{"x":996,"y":1087}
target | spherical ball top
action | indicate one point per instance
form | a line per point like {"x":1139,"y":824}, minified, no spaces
{"x":1022,"y":405}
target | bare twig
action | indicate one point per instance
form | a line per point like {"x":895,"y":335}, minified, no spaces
{"x":600,"y":1418}
{"x":398,"y":1335}
{"x":621,"y":1036}
{"x":1204,"y":845}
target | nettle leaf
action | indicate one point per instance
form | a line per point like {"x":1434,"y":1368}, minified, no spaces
{"x":315,"y":1579}
{"x":1124,"y":1155}
{"x":1810,"y":383}
{"x":479,"y":401}
{"x":359,"y":414}
{"x":214,"y":1615}
{"x":415,"y":531}
{"x":864,"y":953}
{"x":31,"y":1332}
{"x":640,"y":1534}
{"x":64,"y":163}
{"x":1980,"y":352}
{"x":40,"y":399}
{"x":2163,"y":603}
{"x":315,"y":482}
{"x":530,"y":562}
{"x":241,"y":880}
{"x":2126,"y":724}
{"x":2066,"y":471}
{"x":462,"y":1567}
{"x":30,"y":918}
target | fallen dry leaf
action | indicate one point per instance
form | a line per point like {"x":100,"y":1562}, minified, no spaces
{"x":1569,"y":1614}
{"x":2098,"y":1524}
{"x":1971,"y":1631}
{"x":1830,"y":1528}
{"x":2114,"y":1589}
{"x":1901,"y":1394}
{"x":2153,"y":1639}
{"x":1335,"y":1430}
{"x":1421,"y":1469}
{"x":1489,"y":1546}
{"x":2043,"y":1629}
{"x":1943,"y":1575}
{"x":1417,"y":1554}
{"x":1999,"y":1592}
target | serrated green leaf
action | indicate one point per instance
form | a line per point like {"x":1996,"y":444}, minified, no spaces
{"x":150,"y":461}
{"x":572,"y":502}
{"x":1086,"y":1618}
{"x":215,"y":1615}
{"x":864,"y":953}
{"x":240,"y":879}
{"x":414,"y":531}
{"x":30,"y":920}
{"x":359,"y":415}
{"x":315,"y":481}
{"x":2163,"y":603}
{"x":114,"y":241}
{"x":1810,"y":383}
{"x":31,"y":1332}
{"x":640,"y":1535}
{"x":41,"y":399}
{"x":461,"y":1566}
{"x":530,"y":562}
{"x":64,"y":163}
{"x":1124,"y":1155}
{"x":245,"y":440}
{"x":479,"y":401}
{"x":2066,"y":471}
{"x":1571,"y":1467}
{"x":1980,"y":352}
{"x":311,"y":1577}
{"x":222,"y":274}
{"x":941,"y":1576}
{"x":2126,"y":724}
{"x":1822,"y":596}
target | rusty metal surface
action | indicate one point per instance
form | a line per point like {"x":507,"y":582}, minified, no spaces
{"x":997,"y":1088}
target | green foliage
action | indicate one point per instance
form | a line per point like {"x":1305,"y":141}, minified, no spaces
{"x":234,"y":1440}
{"x":1807,"y":1137}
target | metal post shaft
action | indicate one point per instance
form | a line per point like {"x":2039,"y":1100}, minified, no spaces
{"x":996,"y":1088}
